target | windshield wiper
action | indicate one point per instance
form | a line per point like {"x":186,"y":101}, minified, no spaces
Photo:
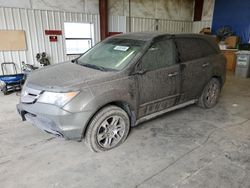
{"x":94,"y":67}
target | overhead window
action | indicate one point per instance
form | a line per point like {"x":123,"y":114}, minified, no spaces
{"x":79,"y":37}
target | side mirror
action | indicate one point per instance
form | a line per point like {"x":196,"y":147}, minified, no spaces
{"x":153,"y":49}
{"x":139,"y":72}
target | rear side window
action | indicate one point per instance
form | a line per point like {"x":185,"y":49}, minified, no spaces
{"x":206,"y":48}
{"x":193,"y":48}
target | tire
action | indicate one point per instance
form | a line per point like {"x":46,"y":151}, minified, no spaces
{"x":5,"y":90}
{"x":108,"y":129}
{"x":210,"y":95}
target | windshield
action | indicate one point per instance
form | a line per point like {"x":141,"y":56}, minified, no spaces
{"x":113,"y":54}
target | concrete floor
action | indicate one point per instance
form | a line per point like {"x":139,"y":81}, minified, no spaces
{"x":190,"y":147}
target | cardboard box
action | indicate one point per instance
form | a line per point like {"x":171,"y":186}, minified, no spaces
{"x":206,"y":31}
{"x":231,"y":59}
{"x":232,"y":41}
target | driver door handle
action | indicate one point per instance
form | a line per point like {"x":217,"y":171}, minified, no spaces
{"x":205,"y":64}
{"x":141,"y":72}
{"x":173,"y":74}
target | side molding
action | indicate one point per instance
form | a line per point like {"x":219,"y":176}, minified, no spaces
{"x":148,"y":117}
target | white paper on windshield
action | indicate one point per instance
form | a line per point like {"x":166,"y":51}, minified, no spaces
{"x":121,"y":48}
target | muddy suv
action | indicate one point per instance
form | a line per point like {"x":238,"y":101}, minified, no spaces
{"x":121,"y":82}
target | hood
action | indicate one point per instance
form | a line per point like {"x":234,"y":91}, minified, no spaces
{"x":65,"y":76}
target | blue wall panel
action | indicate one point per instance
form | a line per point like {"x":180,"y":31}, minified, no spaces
{"x":235,"y":13}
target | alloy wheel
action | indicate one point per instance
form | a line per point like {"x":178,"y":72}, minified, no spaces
{"x":111,"y":131}
{"x":212,"y":93}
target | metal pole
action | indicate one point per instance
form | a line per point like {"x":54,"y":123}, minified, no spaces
{"x":129,"y":15}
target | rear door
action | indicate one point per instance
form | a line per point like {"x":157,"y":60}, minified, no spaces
{"x":195,"y":61}
{"x":159,"y":83}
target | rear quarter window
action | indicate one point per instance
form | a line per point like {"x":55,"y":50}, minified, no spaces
{"x":193,"y":48}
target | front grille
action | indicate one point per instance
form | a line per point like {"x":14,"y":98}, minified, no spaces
{"x":29,"y":95}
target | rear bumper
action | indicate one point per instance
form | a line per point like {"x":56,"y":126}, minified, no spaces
{"x":55,"y":120}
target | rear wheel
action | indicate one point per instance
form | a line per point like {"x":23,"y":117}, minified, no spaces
{"x":210,"y":94}
{"x":108,"y":129}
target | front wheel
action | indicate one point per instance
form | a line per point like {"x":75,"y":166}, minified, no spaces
{"x":210,"y":94}
{"x":108,"y":129}
{"x":5,"y":90}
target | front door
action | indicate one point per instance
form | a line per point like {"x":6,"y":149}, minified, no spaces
{"x":159,"y":84}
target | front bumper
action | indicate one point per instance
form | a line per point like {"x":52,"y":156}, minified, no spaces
{"x":55,"y":120}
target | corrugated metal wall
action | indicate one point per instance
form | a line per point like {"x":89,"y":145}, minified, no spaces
{"x":170,"y":26}
{"x":197,"y":26}
{"x":117,"y":24}
{"x":35,"y":22}
{"x":175,"y":26}
{"x":141,"y":24}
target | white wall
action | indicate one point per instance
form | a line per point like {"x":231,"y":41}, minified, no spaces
{"x":198,"y":26}
{"x":208,"y":9}
{"x":34,"y":23}
{"x":207,"y":16}
{"x":36,"y":16}
{"x":158,"y":9}
{"x":172,"y":15}
{"x":163,"y":25}
{"x":87,"y":6}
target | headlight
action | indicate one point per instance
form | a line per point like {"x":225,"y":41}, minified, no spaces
{"x":59,"y":99}
{"x":23,"y":93}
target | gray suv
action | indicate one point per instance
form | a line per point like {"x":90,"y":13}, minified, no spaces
{"x":121,"y":82}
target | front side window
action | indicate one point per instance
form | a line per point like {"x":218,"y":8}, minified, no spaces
{"x":160,"y":55}
{"x":113,"y":54}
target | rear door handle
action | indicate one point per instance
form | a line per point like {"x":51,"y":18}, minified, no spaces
{"x":205,"y":64}
{"x":173,"y":74}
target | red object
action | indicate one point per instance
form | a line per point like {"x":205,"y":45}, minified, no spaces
{"x":53,"y":32}
{"x":114,"y":33}
{"x":103,"y":9}
{"x":53,"y":38}
{"x":198,"y":8}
